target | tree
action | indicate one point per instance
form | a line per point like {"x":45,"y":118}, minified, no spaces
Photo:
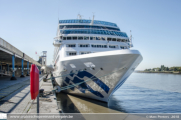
{"x":175,"y":69}
{"x":167,"y":69}
{"x":162,"y":67}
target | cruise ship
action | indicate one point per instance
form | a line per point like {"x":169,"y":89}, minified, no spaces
{"x":92,"y":58}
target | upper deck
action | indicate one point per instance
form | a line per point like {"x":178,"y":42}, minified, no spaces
{"x":83,"y":21}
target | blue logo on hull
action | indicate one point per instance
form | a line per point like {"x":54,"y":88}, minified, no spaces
{"x":84,"y":86}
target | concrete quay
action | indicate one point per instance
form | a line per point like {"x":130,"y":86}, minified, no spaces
{"x":18,"y":100}
{"x":47,"y":102}
{"x":15,"y":95}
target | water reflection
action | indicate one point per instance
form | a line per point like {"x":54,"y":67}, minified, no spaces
{"x":114,"y":103}
{"x":141,"y":93}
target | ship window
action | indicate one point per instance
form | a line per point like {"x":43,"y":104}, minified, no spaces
{"x":108,"y":39}
{"x":88,"y":31}
{"x":71,"y":53}
{"x":112,"y":46}
{"x":64,"y":38}
{"x":61,"y":27}
{"x":68,"y":38}
{"x":84,"y":53}
{"x":74,"y":38}
{"x":99,"y":46}
{"x":71,"y":45}
{"x":84,"y":45}
{"x":60,"y":37}
{"x":91,"y":38}
{"x":118,"y":40}
{"x":114,"y":39}
{"x":94,"y":38}
{"x":103,"y":38}
{"x":80,"y":38}
{"x":86,"y":38}
{"x":97,"y":38}
{"x":122,"y":47}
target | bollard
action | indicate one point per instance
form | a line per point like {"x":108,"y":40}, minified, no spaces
{"x":41,"y":92}
{"x":44,"y":80}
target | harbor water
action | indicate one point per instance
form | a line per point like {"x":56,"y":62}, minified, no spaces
{"x":148,"y":93}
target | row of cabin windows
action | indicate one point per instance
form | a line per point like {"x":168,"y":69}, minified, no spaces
{"x":95,"y":46}
{"x":99,"y":46}
{"x":94,"y":38}
{"x":75,"y":53}
{"x":86,"y":26}
{"x":84,"y":53}
{"x":71,"y":45}
{"x":72,"y":53}
{"x":113,"y":46}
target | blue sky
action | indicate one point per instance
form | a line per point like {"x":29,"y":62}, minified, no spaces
{"x":30,"y":25}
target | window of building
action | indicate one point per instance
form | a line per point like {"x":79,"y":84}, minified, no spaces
{"x":86,"y":38}
{"x":112,"y":46}
{"x":68,"y":38}
{"x":64,"y":38}
{"x":80,"y":38}
{"x":74,"y":38}
{"x":71,"y":53}
{"x":84,"y":45}
{"x":71,"y":45}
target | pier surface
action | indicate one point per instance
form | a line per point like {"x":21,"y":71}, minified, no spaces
{"x":15,"y":95}
{"x":16,"y":98}
{"x":47,"y":102}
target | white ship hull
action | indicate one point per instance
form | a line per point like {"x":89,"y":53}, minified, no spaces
{"x":103,"y":72}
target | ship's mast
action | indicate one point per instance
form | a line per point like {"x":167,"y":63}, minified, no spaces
{"x":79,"y":16}
{"x":92,"y":20}
{"x":130,"y":39}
